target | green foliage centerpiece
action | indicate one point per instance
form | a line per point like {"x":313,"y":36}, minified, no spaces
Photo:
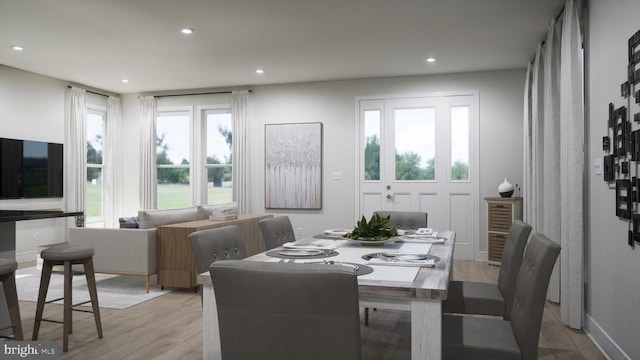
{"x":377,"y":229}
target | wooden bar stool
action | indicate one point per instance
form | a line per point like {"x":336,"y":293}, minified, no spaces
{"x":8,"y":277}
{"x":67,"y":255}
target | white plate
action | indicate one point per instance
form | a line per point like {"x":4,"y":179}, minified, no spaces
{"x":337,"y":232}
{"x":300,"y":253}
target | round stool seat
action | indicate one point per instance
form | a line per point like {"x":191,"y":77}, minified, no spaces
{"x":66,"y":252}
{"x":7,"y":266}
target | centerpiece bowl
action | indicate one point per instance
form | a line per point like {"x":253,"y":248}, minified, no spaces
{"x":375,"y":232}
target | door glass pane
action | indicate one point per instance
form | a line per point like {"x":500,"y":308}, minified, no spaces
{"x":219,"y":151}
{"x":372,"y":145}
{"x":415,"y":143}
{"x":460,"y":143}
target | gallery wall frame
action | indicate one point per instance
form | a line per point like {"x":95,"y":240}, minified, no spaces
{"x":621,"y":146}
{"x":293,"y":166}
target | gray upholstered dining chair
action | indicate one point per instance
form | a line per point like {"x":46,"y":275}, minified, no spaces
{"x":468,"y":297}
{"x":405,"y":220}
{"x":276,"y":231}
{"x":473,"y":337}
{"x":222,"y":243}
{"x":286,"y":311}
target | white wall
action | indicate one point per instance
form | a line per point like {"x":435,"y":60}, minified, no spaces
{"x":32,"y":107}
{"x":333,"y":103}
{"x":613,"y":277}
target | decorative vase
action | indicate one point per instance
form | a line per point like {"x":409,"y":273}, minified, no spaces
{"x":505,"y":189}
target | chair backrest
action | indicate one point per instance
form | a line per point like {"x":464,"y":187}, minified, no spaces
{"x":511,"y":260}
{"x":405,"y":220}
{"x":223,"y":243}
{"x":531,"y":292}
{"x":276,"y":231}
{"x":286,"y":311}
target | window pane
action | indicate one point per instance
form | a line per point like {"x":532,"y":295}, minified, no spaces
{"x":415,"y":142}
{"x":94,"y":194}
{"x":372,"y":145}
{"x":460,"y":143}
{"x":94,"y":138}
{"x":94,"y":199}
{"x":173,"y":143}
{"x":173,"y":188}
{"x":219,"y":152}
{"x":219,"y":138}
{"x":172,"y":131}
{"x":219,"y":193}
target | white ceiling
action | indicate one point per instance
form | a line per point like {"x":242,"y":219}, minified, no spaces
{"x":98,"y":42}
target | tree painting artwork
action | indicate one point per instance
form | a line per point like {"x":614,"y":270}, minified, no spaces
{"x":293,"y":166}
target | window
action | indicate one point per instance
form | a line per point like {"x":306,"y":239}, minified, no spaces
{"x":173,"y":144}
{"x":219,"y":151}
{"x":94,"y":193}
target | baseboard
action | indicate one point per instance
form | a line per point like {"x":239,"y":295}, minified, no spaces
{"x":603,"y":341}
{"x":26,"y":257}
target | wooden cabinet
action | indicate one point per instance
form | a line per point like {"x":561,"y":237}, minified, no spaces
{"x":175,"y":262}
{"x":502,"y":212}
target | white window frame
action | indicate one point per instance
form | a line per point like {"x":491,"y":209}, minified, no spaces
{"x":200,"y":143}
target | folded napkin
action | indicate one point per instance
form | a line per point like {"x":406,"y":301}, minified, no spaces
{"x":423,"y":239}
{"x":319,"y":244}
{"x":398,"y":262}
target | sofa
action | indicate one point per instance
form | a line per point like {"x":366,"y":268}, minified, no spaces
{"x":131,"y":250}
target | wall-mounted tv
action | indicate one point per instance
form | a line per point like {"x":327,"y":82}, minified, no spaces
{"x":30,"y":169}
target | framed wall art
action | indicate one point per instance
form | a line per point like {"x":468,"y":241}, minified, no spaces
{"x":293,"y":166}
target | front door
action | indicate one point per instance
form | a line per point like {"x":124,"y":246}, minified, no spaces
{"x":416,"y":155}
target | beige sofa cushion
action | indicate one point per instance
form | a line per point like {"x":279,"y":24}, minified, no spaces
{"x":150,"y":219}
{"x":205,"y":210}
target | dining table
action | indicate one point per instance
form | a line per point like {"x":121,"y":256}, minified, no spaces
{"x":409,"y":285}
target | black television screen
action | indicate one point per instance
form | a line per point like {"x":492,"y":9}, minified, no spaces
{"x":30,"y":169}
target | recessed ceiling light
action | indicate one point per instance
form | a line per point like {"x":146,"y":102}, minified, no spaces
{"x":186,"y":30}
{"x":17,"y":47}
{"x":431,"y":59}
{"x":126,"y":81}
{"x":259,"y":71}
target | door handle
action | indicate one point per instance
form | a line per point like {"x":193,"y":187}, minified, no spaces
{"x":390,"y":196}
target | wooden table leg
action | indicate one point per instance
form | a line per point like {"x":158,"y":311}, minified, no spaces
{"x":426,"y":330}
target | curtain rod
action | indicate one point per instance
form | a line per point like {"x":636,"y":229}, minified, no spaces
{"x":202,"y":93}
{"x":91,"y":92}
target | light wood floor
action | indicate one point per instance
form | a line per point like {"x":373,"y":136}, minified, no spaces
{"x":170,"y":327}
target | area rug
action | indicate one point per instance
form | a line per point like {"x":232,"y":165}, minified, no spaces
{"x":114,"y":291}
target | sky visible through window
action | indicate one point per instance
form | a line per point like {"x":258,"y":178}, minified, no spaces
{"x":176,"y":129}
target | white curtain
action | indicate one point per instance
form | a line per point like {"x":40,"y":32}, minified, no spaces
{"x":148,"y":152}
{"x":571,"y":167}
{"x":550,"y":224}
{"x":110,"y":159}
{"x":554,"y":157}
{"x":239,"y":116}
{"x":76,"y":141}
{"x":534,"y":193}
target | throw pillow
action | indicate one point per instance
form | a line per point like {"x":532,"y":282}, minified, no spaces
{"x":129,"y":222}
